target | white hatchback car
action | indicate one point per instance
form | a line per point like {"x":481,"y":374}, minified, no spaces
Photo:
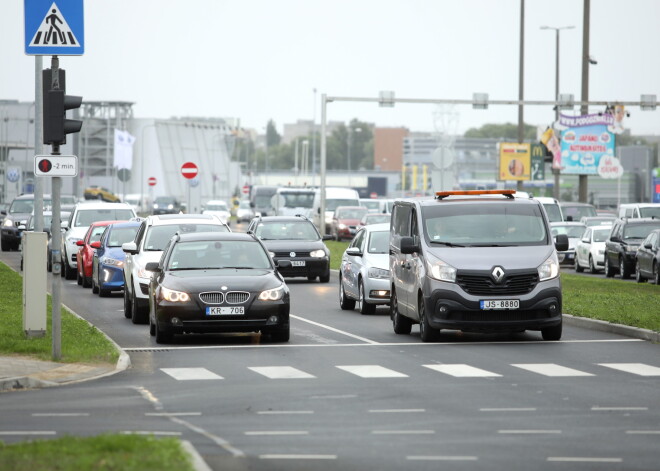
{"x":218,"y":208}
{"x":590,"y":250}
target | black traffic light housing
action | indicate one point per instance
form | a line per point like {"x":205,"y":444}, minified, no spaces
{"x":56,"y":102}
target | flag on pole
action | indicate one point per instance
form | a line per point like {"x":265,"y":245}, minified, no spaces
{"x":123,"y":156}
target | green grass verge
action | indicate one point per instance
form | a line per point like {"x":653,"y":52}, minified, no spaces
{"x":81,"y":342}
{"x":337,"y":250}
{"x":613,"y":301}
{"x":108,"y":452}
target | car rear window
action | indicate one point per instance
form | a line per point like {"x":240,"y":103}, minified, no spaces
{"x":85,"y":217}
{"x":639,"y":231}
{"x":287,"y":230}
{"x":158,"y":236}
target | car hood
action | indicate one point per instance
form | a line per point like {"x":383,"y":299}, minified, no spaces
{"x":197,"y":281}
{"x":293,"y":245}
{"x":485,"y":258}
{"x":145,"y":257}
{"x":17,"y":216}
{"x":115,"y":252}
{"x":76,"y":232}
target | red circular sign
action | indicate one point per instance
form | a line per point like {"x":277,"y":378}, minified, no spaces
{"x":246,"y":190}
{"x":152,"y":181}
{"x":189,"y":170}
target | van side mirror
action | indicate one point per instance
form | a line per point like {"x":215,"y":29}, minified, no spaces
{"x":648,"y":245}
{"x":408,"y":245}
{"x":561,"y":242}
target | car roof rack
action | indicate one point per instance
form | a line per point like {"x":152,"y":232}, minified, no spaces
{"x":439,"y":195}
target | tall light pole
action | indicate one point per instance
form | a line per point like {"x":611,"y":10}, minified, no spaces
{"x":555,"y":171}
{"x":349,"y":142}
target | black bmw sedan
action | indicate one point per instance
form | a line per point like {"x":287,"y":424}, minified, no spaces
{"x":217,"y":282}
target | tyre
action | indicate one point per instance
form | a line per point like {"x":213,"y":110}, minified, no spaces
{"x":345,"y":302}
{"x":6,"y":246}
{"x":365,"y":308}
{"x":280,"y":335}
{"x":104,"y":293}
{"x":95,"y":285}
{"x":79,"y":278}
{"x":86,"y":281}
{"x":152,"y":327}
{"x":128,"y":308}
{"x":401,"y":324}
{"x":311,"y":278}
{"x":638,"y":274}
{"x":552,"y":333}
{"x":609,"y":271}
{"x":68,"y":272}
{"x":138,"y":316}
{"x":578,"y":268}
{"x":656,"y":274}
{"x":592,"y":265}
{"x":623,"y":269}
{"x":426,"y":332}
{"x":325,"y":278}
{"x":162,"y":336}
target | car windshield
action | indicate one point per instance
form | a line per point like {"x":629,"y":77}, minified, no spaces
{"x":197,"y":255}
{"x":97,"y":232}
{"x":25,"y":206}
{"x":85,"y":217}
{"x":48,"y":220}
{"x":158,"y":236}
{"x":332,"y":204}
{"x":578,"y":212}
{"x":379,"y":242}
{"x":570,"y":231}
{"x":554,"y":213}
{"x":217,"y":207}
{"x":164,"y":200}
{"x":370,"y":204}
{"x":601,"y":235}
{"x":295,"y":199}
{"x":287,"y":230}
{"x":485,"y":225}
{"x":67,"y":199}
{"x":639,"y":231}
{"x":121,"y":235}
{"x":650,"y":212}
{"x":377,"y":218}
{"x":353,"y":213}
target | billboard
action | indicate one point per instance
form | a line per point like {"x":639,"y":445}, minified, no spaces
{"x":515,"y":161}
{"x":588,"y":138}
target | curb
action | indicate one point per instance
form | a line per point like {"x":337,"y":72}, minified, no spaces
{"x":198,"y":462}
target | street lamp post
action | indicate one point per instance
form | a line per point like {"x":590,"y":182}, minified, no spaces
{"x":555,"y":171}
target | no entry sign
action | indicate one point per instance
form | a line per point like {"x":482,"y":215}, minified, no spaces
{"x":189,"y":170}
{"x":152,"y":181}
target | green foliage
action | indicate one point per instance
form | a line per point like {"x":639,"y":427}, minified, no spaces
{"x":273,"y":138}
{"x":108,"y":452}
{"x":506,"y":131}
{"x":81,"y":342}
{"x":337,"y":250}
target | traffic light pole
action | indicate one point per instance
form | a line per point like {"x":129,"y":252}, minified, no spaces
{"x":56,"y":241}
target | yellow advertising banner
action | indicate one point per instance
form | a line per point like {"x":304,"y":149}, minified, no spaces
{"x":515,"y":161}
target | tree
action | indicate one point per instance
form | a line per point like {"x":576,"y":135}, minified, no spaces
{"x":502,"y":131}
{"x":273,"y":138}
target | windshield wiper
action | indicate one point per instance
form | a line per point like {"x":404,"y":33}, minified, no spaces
{"x":448,"y":244}
{"x":490,"y":245}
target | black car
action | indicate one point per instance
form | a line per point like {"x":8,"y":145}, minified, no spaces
{"x":20,"y":210}
{"x":647,"y":266}
{"x":621,"y":247}
{"x":217,"y":282}
{"x":166,"y":205}
{"x":296,"y":239}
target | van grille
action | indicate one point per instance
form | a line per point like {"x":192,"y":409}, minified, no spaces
{"x":485,"y":285}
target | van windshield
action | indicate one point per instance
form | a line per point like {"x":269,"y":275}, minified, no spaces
{"x":332,"y":204}
{"x":298,"y":200}
{"x":554,"y":213}
{"x":650,"y":212}
{"x":484,"y":225}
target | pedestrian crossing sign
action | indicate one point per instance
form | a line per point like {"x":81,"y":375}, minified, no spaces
{"x":54,"y":28}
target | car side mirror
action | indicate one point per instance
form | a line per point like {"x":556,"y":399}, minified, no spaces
{"x":561,"y":242}
{"x":21,"y":227}
{"x":152,"y":266}
{"x":327,"y":237}
{"x":129,"y":247}
{"x":3,"y":212}
{"x":283,"y":263}
{"x":408,"y":245}
{"x":354,"y":251}
{"x":64,"y":225}
{"x":80,"y":243}
{"x":96,"y":244}
{"x":251,"y":204}
{"x":648,"y":245}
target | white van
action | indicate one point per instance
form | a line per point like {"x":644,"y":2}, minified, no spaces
{"x":293,"y":201}
{"x":639,"y":210}
{"x":334,"y":197}
{"x":552,"y":208}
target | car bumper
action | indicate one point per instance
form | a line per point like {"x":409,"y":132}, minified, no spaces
{"x":313,"y":267}
{"x":72,"y":255}
{"x":377,"y":290}
{"x":178,"y":318}
{"x":346,"y":233}
{"x":111,"y":278}
{"x":566,"y":258}
{"x":450,"y":307}
{"x":11,"y":234}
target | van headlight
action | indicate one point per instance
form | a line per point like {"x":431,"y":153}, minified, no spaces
{"x":274,"y":294}
{"x":174,"y":296}
{"x":320,"y":253}
{"x":441,"y":271}
{"x":549,"y":269}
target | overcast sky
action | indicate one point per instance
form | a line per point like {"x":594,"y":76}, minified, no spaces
{"x":262,"y":59}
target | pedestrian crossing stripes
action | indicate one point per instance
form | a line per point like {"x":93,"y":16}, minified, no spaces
{"x":458,"y":370}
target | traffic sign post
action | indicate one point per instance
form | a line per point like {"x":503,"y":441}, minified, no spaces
{"x":54,"y":28}
{"x":189,"y":170}
{"x":152,"y":181}
{"x":56,"y":165}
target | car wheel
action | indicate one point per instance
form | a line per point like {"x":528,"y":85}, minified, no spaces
{"x":49,"y":264}
{"x":6,"y":247}
{"x":95,"y":285}
{"x":578,"y":268}
{"x":104,"y":293}
{"x":79,"y":278}
{"x":656,"y":271}
{"x":325,"y":278}
{"x":552,"y":333}
{"x":609,"y":271}
{"x":401,"y":324}
{"x":280,"y":335}
{"x":69,"y":272}
{"x":592,"y":265}
{"x":623,"y":270}
{"x":137,"y":314}
{"x":426,"y":332}
{"x":86,"y":281}
{"x":128,"y":309}
{"x":162,"y":336}
{"x":152,"y":326}
{"x":638,"y":274}
{"x":311,"y":278}
{"x":345,"y":302}
{"x":365,"y":308}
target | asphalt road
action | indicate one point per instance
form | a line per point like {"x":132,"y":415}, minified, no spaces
{"x":346,"y":392}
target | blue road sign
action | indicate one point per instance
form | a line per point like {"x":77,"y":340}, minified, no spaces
{"x":54,"y":28}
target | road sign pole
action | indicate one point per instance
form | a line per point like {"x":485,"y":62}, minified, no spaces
{"x":56,"y":238}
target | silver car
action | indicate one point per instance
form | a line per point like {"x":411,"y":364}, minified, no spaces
{"x":364,"y":276}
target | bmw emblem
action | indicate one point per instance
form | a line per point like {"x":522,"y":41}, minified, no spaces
{"x":292,"y":254}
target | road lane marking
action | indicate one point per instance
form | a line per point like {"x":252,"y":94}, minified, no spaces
{"x":442,"y":458}
{"x":332,"y":329}
{"x":551,"y":369}
{"x":403,"y":432}
{"x":625,"y":409}
{"x":395,"y":411}
{"x":643,"y":432}
{"x":529,"y":432}
{"x":583,"y":459}
{"x":60,"y":414}
{"x":224,"y":444}
{"x":462,"y":371}
{"x":257,"y":433}
{"x":297,"y":457}
{"x":508,"y":409}
{"x":189,"y":374}
{"x":372,"y":371}
{"x":284,"y":412}
{"x":27,"y":432}
{"x":281,"y":372}
{"x":640,"y":369}
{"x":172,"y":414}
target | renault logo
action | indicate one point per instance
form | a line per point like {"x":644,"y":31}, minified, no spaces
{"x":498,"y":274}
{"x":292,"y":254}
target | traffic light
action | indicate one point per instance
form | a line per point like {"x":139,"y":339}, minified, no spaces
{"x":56,"y":102}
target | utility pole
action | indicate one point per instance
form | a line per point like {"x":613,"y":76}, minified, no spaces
{"x":521,"y":75}
{"x":584,"y":109}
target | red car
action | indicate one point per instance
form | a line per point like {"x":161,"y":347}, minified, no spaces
{"x":86,"y":252}
{"x":346,"y":220}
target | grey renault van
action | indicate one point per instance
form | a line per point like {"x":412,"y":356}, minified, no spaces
{"x":477,"y":261}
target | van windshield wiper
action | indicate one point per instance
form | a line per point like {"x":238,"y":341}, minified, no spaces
{"x":448,"y":244}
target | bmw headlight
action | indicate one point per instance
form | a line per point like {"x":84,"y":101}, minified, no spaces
{"x":274,"y":294}
{"x":549,"y":269}
{"x":8,"y":223}
{"x":174,"y":296}
{"x":113,"y":262}
{"x":379,"y":273}
{"x":441,"y":271}
{"x":320,"y":253}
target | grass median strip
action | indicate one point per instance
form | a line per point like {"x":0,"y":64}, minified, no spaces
{"x":337,"y":250}
{"x":102,"y":453}
{"x":81,"y":342}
